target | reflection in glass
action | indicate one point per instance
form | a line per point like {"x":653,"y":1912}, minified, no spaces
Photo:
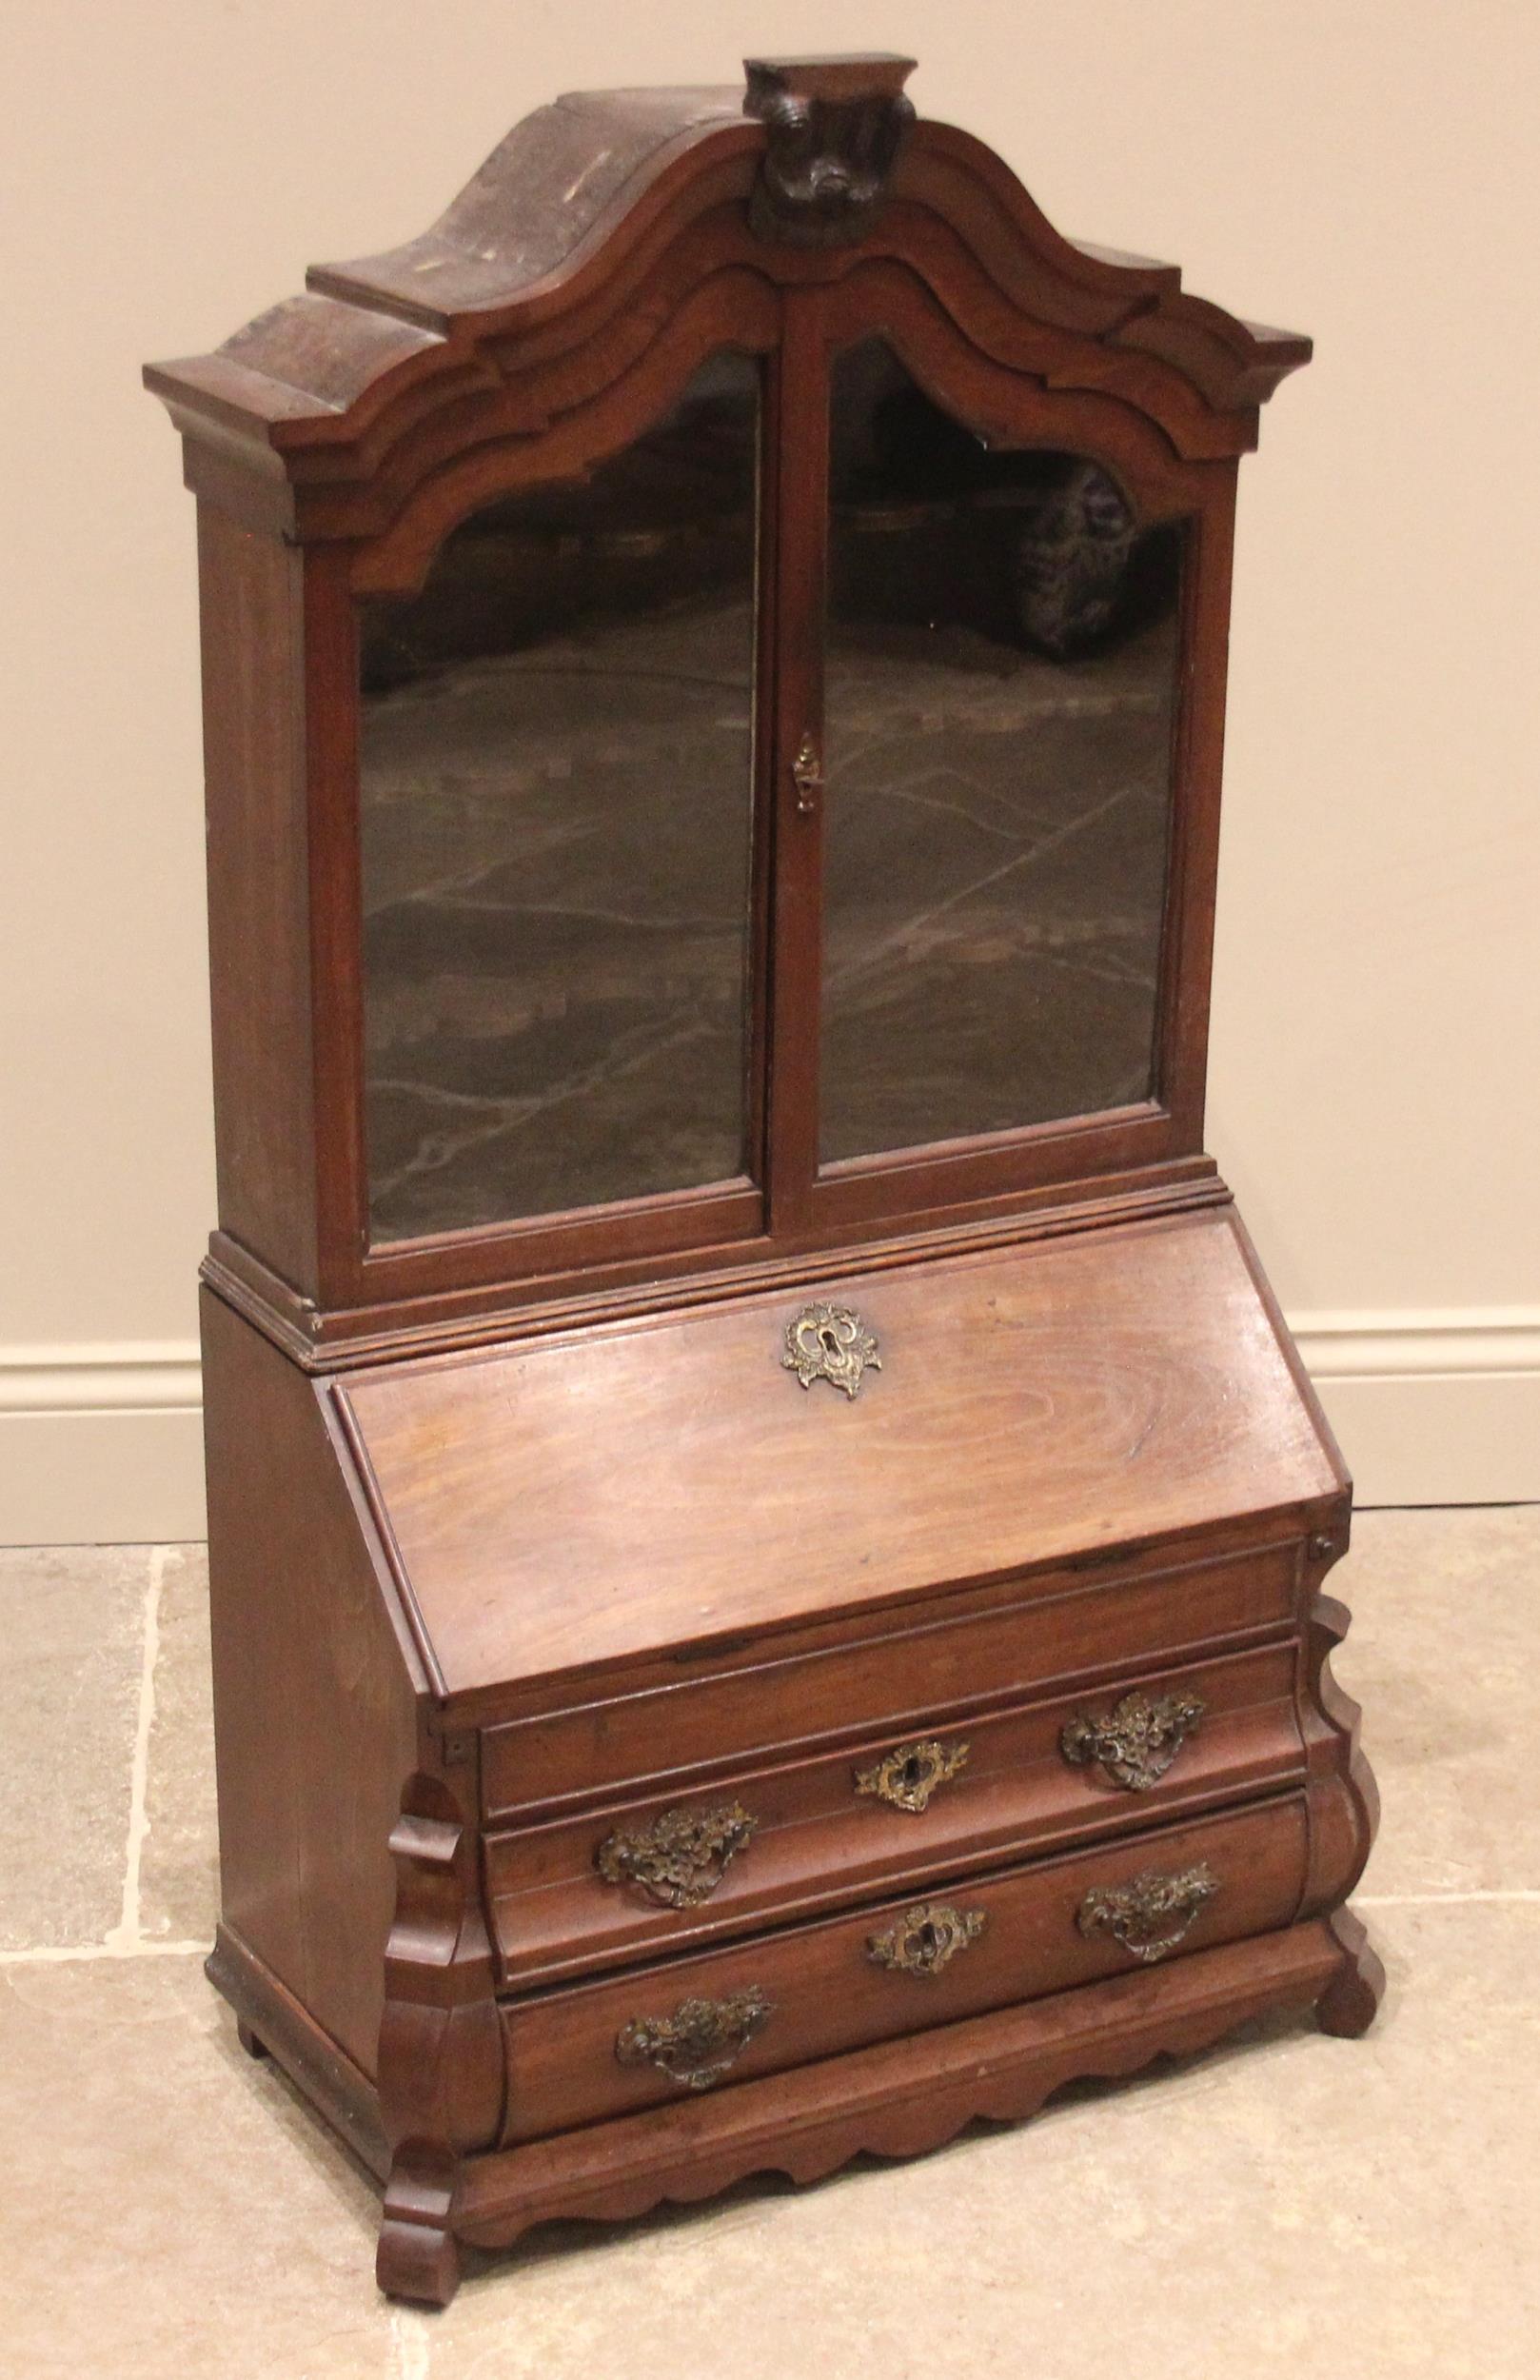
{"x":1003,"y":658}
{"x":555,"y":765}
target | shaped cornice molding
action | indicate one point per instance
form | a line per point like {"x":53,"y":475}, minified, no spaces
{"x":318,"y":417}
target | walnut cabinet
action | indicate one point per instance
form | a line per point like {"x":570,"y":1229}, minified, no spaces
{"x":766,"y":1533}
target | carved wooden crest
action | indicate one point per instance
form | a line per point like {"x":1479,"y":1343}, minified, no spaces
{"x":833,"y":126}
{"x":357,"y":410}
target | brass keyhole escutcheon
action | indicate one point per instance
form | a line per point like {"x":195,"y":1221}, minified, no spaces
{"x":830,"y":1342}
{"x":911,"y":1774}
{"x":926,"y":1939}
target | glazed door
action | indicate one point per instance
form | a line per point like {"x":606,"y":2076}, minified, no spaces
{"x":983,"y":609}
{"x":558,"y":855}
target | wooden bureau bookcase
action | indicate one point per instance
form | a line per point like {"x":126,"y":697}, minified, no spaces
{"x":766,"y":1533}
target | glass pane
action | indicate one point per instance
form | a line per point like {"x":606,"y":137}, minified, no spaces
{"x":554,"y":762}
{"x":1002,"y":657}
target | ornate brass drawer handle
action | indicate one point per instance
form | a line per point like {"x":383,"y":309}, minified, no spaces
{"x":696,"y":2046}
{"x":681,"y":1857}
{"x":910,"y":1774}
{"x":926,"y":1939}
{"x":1137,"y":1739}
{"x":828,"y":1342}
{"x":1151,"y":1915}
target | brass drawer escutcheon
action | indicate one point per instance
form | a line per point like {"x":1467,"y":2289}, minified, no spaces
{"x":827,"y":1342}
{"x":696,"y":2046}
{"x":1151,"y":1915}
{"x":907,"y":1777}
{"x":681,"y":1857}
{"x":926,"y":1939}
{"x":1137,"y":1739}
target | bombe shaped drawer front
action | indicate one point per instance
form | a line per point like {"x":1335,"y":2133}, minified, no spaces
{"x":780,"y":1841}
{"x":586,"y":2052}
{"x":1009,"y":1642}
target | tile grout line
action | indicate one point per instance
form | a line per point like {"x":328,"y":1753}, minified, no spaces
{"x":409,"y":2347}
{"x":126,"y":1939}
{"x":1439,"y":1900}
{"x":63,"y":1954}
{"x":125,"y":1936}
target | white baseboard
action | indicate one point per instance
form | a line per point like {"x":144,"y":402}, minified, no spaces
{"x":1432,"y":1405}
{"x":103,"y":1443}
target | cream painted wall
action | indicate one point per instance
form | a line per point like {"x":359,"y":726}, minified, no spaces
{"x":1362,"y":169}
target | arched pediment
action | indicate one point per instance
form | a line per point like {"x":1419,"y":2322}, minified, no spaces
{"x":604,"y":217}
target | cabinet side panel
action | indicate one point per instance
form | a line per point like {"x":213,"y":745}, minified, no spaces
{"x":315,"y":1715}
{"x":250,"y":591}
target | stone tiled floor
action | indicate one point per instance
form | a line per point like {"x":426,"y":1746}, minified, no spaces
{"x":1286,"y":2204}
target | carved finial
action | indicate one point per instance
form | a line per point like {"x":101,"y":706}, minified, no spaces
{"x":834,"y":128}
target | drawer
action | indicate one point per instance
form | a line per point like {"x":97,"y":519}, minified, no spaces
{"x":580,"y":2053}
{"x":1060,"y":1626}
{"x":641,"y":1879}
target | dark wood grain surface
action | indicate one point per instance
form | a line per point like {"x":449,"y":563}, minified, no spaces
{"x":827,"y":1992}
{"x":897,"y":2098}
{"x":818,"y":1841}
{"x":251,"y":597}
{"x":315,"y":1699}
{"x":702,"y":1709}
{"x":569,"y":1504}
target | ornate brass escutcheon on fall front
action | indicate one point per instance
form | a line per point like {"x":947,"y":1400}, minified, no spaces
{"x":910,"y":1774}
{"x":829,"y":1343}
{"x":1151,"y":1915}
{"x":926,"y":1939}
{"x":696,"y":2046}
{"x":681,"y":1857}
{"x":1137,"y":1739}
